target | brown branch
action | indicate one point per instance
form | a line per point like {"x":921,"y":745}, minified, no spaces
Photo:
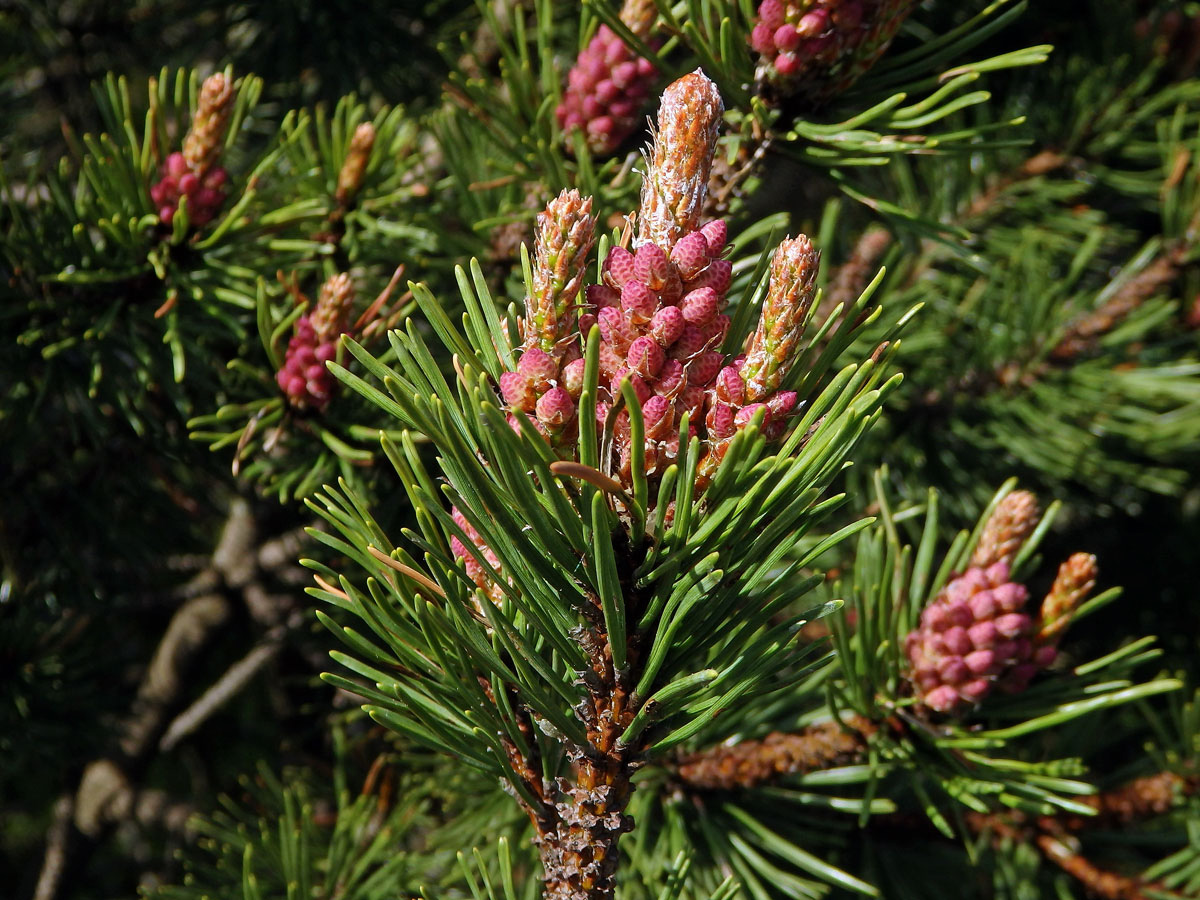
{"x":1061,"y":848}
{"x":1042,"y":163}
{"x":106,"y":795}
{"x":1085,"y":332}
{"x":542,"y":814}
{"x":108,"y":792}
{"x":1081,"y":336}
{"x":1142,"y":798}
{"x":1056,"y":836}
{"x":194,"y":623}
{"x":56,"y":849}
{"x":830,"y":744}
{"x":278,"y":556}
{"x":851,"y":277}
{"x":1096,"y":881}
{"x":190,"y":628}
{"x":751,"y":763}
{"x":579,"y":852}
{"x":578,"y":822}
{"x":577,"y":826}
{"x":222,"y":691}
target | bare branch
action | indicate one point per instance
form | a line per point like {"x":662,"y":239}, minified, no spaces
{"x":56,"y":849}
{"x":224,"y":689}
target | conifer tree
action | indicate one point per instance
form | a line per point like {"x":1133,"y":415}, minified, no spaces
{"x":513,"y":448}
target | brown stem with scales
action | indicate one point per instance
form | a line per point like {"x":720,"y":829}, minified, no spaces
{"x":750,"y":763}
{"x":578,"y":825}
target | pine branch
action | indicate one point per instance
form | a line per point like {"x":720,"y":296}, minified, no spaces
{"x":108,"y":792}
{"x":591,"y":581}
{"x":763,"y":763}
{"x":1057,"y":836}
{"x":778,"y":755}
{"x":1096,"y":881}
{"x":579,"y":850}
{"x":1059,"y":849}
{"x":1085,"y":332}
{"x":225,"y":688}
{"x":554,"y":627}
{"x":55,"y":860}
{"x":1140,"y":799}
{"x":191,"y":628}
{"x":1080,"y":337}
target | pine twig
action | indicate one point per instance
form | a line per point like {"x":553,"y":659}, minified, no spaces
{"x":751,"y":763}
{"x":1056,"y":836}
{"x":831,"y":744}
{"x":224,"y":689}
{"x":189,"y":630}
{"x":543,"y":814}
{"x":1061,"y":849}
{"x":57,"y":836}
{"x":1142,"y":798}
{"x":1085,"y":332}
{"x":1081,"y":336}
{"x":1096,"y":881}
{"x":851,"y":277}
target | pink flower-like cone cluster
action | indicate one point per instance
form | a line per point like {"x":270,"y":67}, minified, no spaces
{"x":545,"y":385}
{"x":660,"y":306}
{"x":194,"y":173}
{"x":661,"y":326}
{"x":606,"y":91}
{"x":823,"y":46}
{"x":974,"y":637}
{"x":205,"y":193}
{"x":304,"y":378}
{"x":542,"y":389}
{"x":658,"y":309}
{"x":751,"y":385}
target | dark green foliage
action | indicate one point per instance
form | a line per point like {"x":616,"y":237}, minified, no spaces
{"x":326,"y":836}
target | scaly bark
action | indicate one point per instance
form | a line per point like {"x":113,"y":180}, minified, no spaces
{"x":751,"y":763}
{"x":578,"y":844}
